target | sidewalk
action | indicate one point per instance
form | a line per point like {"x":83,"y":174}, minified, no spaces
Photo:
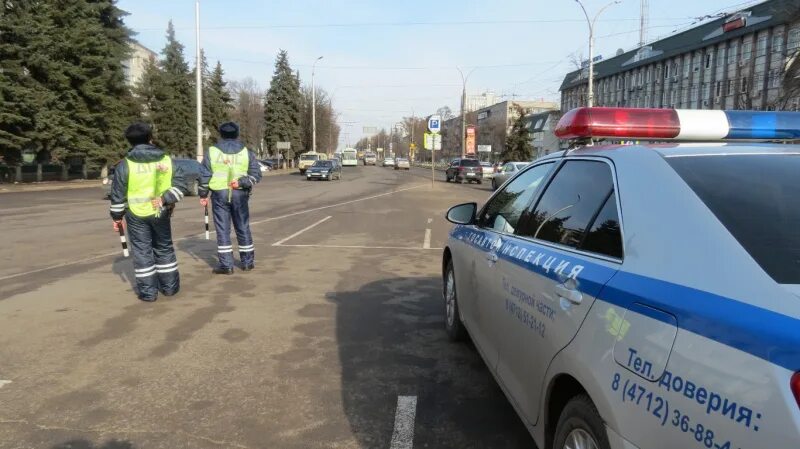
{"x":49,"y":185}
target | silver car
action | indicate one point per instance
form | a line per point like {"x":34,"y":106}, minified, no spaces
{"x":640,"y":296}
{"x":508,"y":170}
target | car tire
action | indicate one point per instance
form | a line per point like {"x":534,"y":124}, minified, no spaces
{"x":494,"y":185}
{"x":446,"y":178}
{"x":479,"y":181}
{"x":580,"y":426}
{"x":452,"y":314}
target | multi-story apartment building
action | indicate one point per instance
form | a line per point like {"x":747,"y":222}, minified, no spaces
{"x":475,"y":102}
{"x":734,"y":62}
{"x":136,"y":64}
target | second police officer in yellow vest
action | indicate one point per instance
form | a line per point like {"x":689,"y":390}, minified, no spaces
{"x":145,"y":187}
{"x":228,"y":174}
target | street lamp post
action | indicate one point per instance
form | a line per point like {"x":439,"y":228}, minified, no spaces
{"x":198,"y":83}
{"x":590,"y":22}
{"x":314,"y":109}
{"x":463,"y":110}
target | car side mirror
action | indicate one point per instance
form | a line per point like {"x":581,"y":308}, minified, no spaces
{"x":462,"y":214}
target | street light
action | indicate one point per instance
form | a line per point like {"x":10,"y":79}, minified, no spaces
{"x":314,"y":108}
{"x":590,"y":22}
{"x":463,"y":110}
{"x":198,"y":83}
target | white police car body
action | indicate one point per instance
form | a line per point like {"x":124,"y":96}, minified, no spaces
{"x":674,"y":322}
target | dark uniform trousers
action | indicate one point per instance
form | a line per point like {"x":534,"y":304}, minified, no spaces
{"x":154,"y":261}
{"x":238,"y":213}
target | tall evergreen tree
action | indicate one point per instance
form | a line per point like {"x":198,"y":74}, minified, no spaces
{"x":173,"y":104}
{"x":76,"y":100}
{"x":518,"y":143}
{"x":19,"y":91}
{"x":282,"y":108}
{"x":217,"y":100}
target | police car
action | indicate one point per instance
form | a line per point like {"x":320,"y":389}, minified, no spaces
{"x":642,"y":295}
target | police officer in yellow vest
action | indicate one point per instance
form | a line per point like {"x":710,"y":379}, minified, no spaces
{"x":145,"y":188}
{"x":228,"y":174}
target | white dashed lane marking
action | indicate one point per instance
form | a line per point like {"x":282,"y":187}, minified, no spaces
{"x":403,"y":435}
{"x":4,"y":383}
{"x":311,"y":226}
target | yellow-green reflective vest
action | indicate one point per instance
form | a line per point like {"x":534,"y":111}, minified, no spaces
{"x":226,"y":168}
{"x":147,"y":181}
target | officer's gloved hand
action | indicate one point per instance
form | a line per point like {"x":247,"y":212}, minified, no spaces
{"x":204,"y":202}
{"x":245,"y":183}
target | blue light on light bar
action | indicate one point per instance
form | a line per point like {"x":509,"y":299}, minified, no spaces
{"x":759,"y":125}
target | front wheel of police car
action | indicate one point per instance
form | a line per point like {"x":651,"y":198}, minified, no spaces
{"x":580,"y":426}
{"x":453,"y":325}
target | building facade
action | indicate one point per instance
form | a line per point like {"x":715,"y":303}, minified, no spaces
{"x":475,"y":102}
{"x":735,"y":62}
{"x":541,"y":127}
{"x":135,"y":66}
{"x":493,"y":123}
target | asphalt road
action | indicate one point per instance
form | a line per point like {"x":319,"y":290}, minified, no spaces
{"x":336,"y":340}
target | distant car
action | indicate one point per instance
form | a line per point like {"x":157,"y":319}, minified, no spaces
{"x":461,"y":170}
{"x":370,"y":159}
{"x":508,"y":170}
{"x":327,"y":170}
{"x":487,"y":171}
{"x":403,"y":163}
{"x":388,"y":162}
{"x":191,"y":174}
{"x":265,"y":166}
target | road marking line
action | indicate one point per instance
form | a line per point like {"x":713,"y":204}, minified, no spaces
{"x":360,"y":247}
{"x":426,"y":244}
{"x":293,"y":214}
{"x":335,"y":205}
{"x":280,"y":242}
{"x":4,"y":382}
{"x":403,"y":435}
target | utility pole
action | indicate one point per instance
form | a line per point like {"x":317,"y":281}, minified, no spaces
{"x":591,"y":22}
{"x":198,"y":82}
{"x":644,"y":21}
{"x":314,"y":108}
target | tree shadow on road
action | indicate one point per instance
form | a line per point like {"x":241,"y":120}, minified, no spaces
{"x":391,"y":342}
{"x":85,"y":444}
{"x":200,"y":249}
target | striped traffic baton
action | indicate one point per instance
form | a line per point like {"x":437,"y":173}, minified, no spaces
{"x":206,"y":218}
{"x":122,"y":239}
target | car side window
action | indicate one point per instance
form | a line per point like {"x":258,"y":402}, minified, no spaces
{"x":605,"y":237}
{"x":504,"y":210}
{"x":572,"y":204}
{"x":508,"y":168}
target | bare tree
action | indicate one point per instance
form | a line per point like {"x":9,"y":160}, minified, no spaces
{"x":248,"y":112}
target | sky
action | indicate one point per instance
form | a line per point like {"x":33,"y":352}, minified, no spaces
{"x":384,"y":60}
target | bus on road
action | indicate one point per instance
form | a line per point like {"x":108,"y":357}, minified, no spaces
{"x":349,"y":157}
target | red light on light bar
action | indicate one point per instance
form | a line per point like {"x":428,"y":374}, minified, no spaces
{"x":794,"y":383}
{"x":623,"y":123}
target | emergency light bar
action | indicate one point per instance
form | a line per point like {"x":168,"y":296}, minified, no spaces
{"x":678,"y":124}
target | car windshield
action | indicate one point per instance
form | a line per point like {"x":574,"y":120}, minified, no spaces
{"x":520,"y":166}
{"x":757,"y":198}
{"x":324,"y":164}
{"x":470,"y":163}
{"x":309,"y":157}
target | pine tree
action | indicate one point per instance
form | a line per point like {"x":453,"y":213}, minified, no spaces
{"x":518,"y":143}
{"x":217,"y":100}
{"x":172,"y":108}
{"x":75,"y":98}
{"x":19,"y":92}
{"x":282,"y":109}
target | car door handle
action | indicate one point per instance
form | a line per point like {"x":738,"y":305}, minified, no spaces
{"x":571,"y":295}
{"x":491,"y":257}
